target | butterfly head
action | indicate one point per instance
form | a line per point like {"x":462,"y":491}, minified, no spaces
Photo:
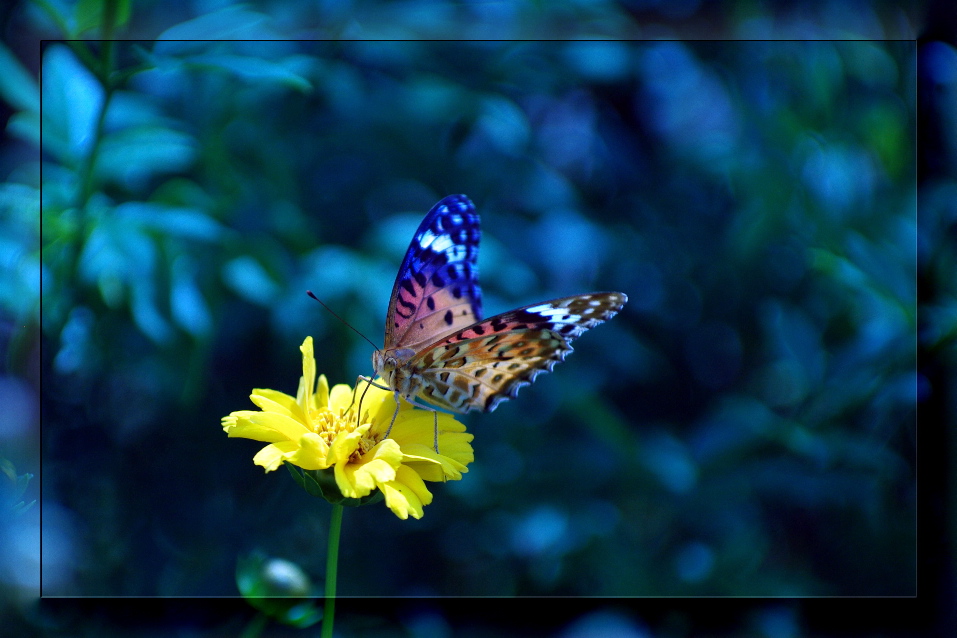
{"x":390,"y":364}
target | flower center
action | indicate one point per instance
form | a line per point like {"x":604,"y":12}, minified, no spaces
{"x":325,"y":424}
{"x":328,"y":425}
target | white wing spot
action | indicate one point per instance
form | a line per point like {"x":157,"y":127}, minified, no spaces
{"x":546,"y":310}
{"x":438,"y":243}
{"x":426,"y":239}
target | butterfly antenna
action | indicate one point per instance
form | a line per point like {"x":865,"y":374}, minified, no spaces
{"x":309,"y":292}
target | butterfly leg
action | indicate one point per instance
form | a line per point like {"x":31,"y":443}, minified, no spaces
{"x":394,"y":415}
{"x":435,"y":423}
{"x":361,"y":398}
{"x":369,"y":383}
{"x":435,"y":413}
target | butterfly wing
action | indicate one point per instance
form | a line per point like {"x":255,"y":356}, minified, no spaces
{"x":483,"y":364}
{"x":436,"y":291}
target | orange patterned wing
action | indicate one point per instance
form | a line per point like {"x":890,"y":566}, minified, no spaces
{"x":486,"y":363}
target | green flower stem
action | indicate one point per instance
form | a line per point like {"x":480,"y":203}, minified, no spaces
{"x":332,"y":563}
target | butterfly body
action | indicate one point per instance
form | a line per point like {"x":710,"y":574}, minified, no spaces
{"x":437,"y":346}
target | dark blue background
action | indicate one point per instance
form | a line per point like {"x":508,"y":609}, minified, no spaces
{"x":745,"y":427}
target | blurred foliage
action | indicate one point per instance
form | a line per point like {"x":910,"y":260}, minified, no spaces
{"x":745,"y":427}
{"x":278,"y":589}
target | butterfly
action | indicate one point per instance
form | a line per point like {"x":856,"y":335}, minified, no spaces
{"x":437,"y":346}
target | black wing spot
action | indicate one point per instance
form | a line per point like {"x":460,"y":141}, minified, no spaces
{"x":405,"y":283}
{"x":479,"y":330}
{"x":420,"y":278}
{"x":497,"y":378}
{"x":438,"y":281}
{"x":457,"y":292}
{"x":430,"y":302}
{"x":448,"y":317}
{"x":567,"y":328}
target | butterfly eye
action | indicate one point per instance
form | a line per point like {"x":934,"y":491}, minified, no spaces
{"x":380,"y":361}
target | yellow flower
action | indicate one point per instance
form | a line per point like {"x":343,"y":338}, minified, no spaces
{"x":319,"y":429}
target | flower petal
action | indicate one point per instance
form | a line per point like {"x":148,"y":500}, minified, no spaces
{"x":418,"y":426}
{"x":272,"y":456}
{"x":375,"y":468}
{"x":431,"y":466}
{"x":263,"y":426}
{"x":273,"y":401}
{"x":307,"y":382}
{"x":345,"y":444}
{"x":341,"y":399}
{"x":379,"y":403}
{"x":321,"y":397}
{"x":312,"y":452}
{"x":407,"y":494}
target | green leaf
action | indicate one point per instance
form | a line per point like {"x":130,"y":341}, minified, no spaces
{"x":314,"y":487}
{"x":19,"y":486}
{"x":175,"y":221}
{"x":252,"y":69}
{"x":22,"y":507}
{"x":296,"y":474}
{"x":249,"y":279}
{"x":231,"y":23}
{"x":187,"y":304}
{"x":323,"y":483}
{"x":55,"y":13}
{"x":26,"y":126}
{"x":17,"y":85}
{"x":133,"y":156}
{"x":8,"y":469}
{"x":146,"y":313}
{"x":72,"y":99}
{"x":89,"y":14}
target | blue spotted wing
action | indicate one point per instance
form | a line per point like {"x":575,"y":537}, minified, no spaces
{"x":436,"y":291}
